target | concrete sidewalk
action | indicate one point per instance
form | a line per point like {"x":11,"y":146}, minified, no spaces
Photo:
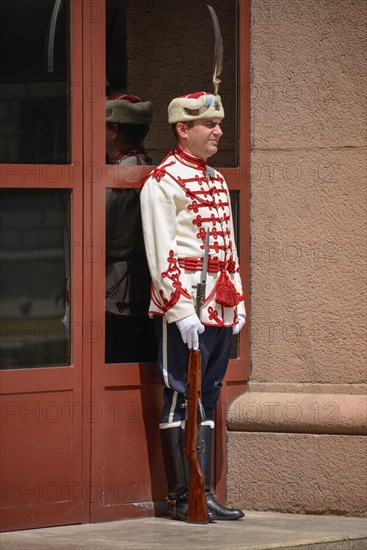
{"x":259,"y":530}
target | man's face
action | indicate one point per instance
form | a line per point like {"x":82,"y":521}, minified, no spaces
{"x":202,"y":138}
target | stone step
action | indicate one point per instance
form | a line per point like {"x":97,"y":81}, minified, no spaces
{"x":257,"y":531}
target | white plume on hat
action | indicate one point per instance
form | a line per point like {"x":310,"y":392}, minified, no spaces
{"x":195,"y":106}
{"x":128,"y":109}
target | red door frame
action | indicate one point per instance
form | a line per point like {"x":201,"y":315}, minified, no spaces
{"x":34,"y":384}
{"x":123,"y":487}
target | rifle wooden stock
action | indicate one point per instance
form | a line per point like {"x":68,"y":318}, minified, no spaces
{"x":197,"y":508}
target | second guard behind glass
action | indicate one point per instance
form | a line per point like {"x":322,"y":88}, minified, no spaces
{"x":128,"y":119}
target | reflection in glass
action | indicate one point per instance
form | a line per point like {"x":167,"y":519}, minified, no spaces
{"x":130,"y":333}
{"x":34,"y":44}
{"x":34,"y":268}
{"x":116,"y":54}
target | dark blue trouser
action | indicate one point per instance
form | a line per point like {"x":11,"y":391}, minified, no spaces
{"x":173,"y":355}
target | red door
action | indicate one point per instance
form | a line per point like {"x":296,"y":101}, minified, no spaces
{"x":41,"y":206}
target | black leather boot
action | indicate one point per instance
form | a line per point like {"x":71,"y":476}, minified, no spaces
{"x":217,"y":511}
{"x":175,"y":472}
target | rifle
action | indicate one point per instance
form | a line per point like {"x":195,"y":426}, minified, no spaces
{"x":197,"y":511}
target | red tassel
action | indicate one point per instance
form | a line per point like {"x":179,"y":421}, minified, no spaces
{"x":226,"y":294}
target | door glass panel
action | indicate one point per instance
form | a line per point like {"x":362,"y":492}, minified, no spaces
{"x":155,"y":56}
{"x":34,"y":272}
{"x":34,"y":82}
{"x":130,"y":335}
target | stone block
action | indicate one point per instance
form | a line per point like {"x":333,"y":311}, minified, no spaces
{"x":298,"y":473}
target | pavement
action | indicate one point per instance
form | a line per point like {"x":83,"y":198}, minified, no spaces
{"x":258,"y":530}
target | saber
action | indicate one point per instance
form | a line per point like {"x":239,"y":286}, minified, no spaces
{"x":200,"y":287}
{"x":218,"y":50}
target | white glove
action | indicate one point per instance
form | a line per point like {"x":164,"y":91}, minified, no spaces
{"x":240,"y":324}
{"x":190,"y":328}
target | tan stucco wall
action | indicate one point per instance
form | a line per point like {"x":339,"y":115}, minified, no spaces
{"x":309,"y":191}
{"x":308,"y":256}
{"x":299,"y":473}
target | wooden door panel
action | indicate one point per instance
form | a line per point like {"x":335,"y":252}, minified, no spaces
{"x":127,"y":466}
{"x":41,"y":425}
{"x":40,"y":467}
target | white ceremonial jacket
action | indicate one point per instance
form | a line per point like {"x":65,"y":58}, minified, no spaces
{"x":180,"y":200}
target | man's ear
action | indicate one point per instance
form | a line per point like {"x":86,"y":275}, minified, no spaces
{"x":181,"y":129}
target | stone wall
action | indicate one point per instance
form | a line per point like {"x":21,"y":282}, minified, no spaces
{"x":297,"y":439}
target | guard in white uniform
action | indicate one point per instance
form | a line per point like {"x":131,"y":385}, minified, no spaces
{"x":181,"y":200}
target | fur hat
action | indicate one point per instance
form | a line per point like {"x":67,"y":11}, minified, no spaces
{"x":128,"y":109}
{"x":194,"y":107}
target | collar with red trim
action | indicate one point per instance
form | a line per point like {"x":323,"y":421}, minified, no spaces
{"x":133,"y":151}
{"x":190,"y":160}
